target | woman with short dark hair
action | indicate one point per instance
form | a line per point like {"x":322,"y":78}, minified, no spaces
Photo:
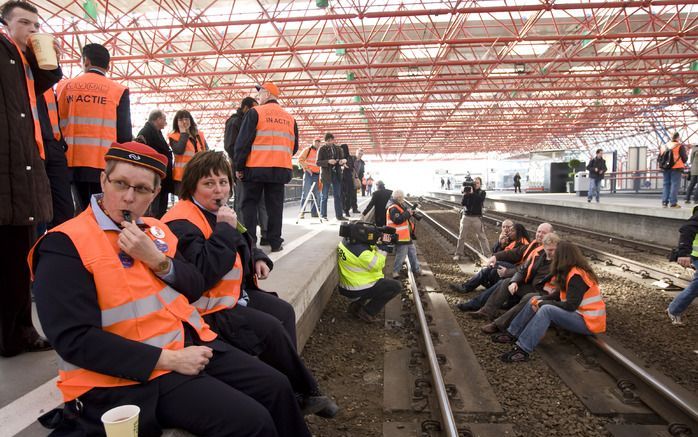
{"x":185,"y":141}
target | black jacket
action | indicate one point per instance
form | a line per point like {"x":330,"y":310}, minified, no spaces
{"x":597,"y":168}
{"x":25,"y":194}
{"x":540,"y":272}
{"x":379,"y":199}
{"x":687,"y":233}
{"x":232,"y":129}
{"x":243,"y":147}
{"x":155,"y":139}
{"x":324,"y":154}
{"x":473,"y":202}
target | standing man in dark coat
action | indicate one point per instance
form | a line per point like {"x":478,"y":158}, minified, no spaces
{"x":152,"y":134}
{"x":597,"y":169}
{"x":25,"y":194}
{"x":359,"y":167}
{"x":379,"y":199}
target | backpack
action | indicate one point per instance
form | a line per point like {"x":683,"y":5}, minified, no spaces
{"x":665,"y":160}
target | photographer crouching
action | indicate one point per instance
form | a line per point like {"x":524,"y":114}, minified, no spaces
{"x":360,"y":264}
{"x":471,"y":217}
{"x":400,"y":217}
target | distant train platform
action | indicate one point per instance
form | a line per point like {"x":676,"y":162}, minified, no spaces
{"x":631,"y":216}
{"x":304,"y":274}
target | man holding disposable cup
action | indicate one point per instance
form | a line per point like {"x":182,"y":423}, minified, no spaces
{"x":25,"y":195}
{"x":112,"y":294}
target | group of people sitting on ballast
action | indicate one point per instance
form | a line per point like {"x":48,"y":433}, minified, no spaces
{"x":168,"y":314}
{"x":534,"y":284}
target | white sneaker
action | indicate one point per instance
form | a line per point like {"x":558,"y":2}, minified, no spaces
{"x":456,"y":257}
{"x":675,"y":320}
{"x":396,"y":275}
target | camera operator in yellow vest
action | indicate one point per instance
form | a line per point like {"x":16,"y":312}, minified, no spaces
{"x":360,"y":264}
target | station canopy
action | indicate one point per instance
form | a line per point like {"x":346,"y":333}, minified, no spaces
{"x":432,"y":79}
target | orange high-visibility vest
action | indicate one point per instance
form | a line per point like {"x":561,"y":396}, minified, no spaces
{"x":87,"y":108}
{"x":29,"y":76}
{"x":676,"y":151}
{"x":403,"y":229}
{"x":310,"y":154}
{"x":532,"y":250}
{"x":180,"y":161}
{"x":275,"y":138}
{"x":514,"y":244}
{"x":52,"y":107}
{"x":592,"y":307}
{"x":134,"y":302}
{"x":226,"y":293}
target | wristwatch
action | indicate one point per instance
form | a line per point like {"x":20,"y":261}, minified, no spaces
{"x":164,"y":265}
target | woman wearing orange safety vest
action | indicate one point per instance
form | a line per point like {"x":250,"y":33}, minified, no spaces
{"x":185,"y":141}
{"x":112,"y":293}
{"x":211,"y":238}
{"x":577,"y":306}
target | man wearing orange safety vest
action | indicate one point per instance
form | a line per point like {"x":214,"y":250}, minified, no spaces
{"x":672,"y":175}
{"x":112,"y":293}
{"x":311,"y":175}
{"x":399,"y":216}
{"x":24,"y":188}
{"x":267,"y":140}
{"x":94,"y":112}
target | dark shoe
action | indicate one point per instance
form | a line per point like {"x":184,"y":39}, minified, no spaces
{"x":516,"y":355}
{"x":277,"y":249}
{"x":38,"y":345}
{"x":688,"y":202}
{"x":458,"y":288}
{"x":324,"y":217}
{"x":481,"y":315}
{"x":354,"y":307}
{"x":342,"y":218}
{"x":329,"y":411}
{"x":365,"y":316}
{"x":504,"y":338}
{"x":465,"y":306}
{"x":263,"y":242}
{"x":665,"y":205}
{"x":355,"y":211}
{"x":489,"y":328}
{"x":589,"y":200}
{"x":315,"y":404}
{"x":676,"y":205}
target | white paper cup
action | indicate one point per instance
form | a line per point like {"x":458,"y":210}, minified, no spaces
{"x":42,"y":44}
{"x":121,"y":421}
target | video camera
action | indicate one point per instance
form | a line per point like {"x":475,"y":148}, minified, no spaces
{"x":415,"y":215}
{"x":468,"y":186}
{"x":366,"y":233}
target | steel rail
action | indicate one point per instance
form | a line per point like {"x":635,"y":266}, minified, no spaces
{"x":448,"y":420}
{"x":686,"y":406}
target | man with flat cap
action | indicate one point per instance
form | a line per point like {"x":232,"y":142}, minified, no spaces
{"x":113,"y":296}
{"x":267,"y":140}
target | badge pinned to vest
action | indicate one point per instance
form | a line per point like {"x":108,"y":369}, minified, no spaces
{"x":126,"y":259}
{"x":161,"y":245}
{"x":156,"y":232}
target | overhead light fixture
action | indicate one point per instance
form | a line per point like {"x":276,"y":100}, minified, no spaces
{"x":520,"y":68}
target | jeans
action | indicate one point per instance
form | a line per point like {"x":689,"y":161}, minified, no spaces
{"x":670,"y":191}
{"x":684,"y":299}
{"x":336,"y":191}
{"x":402,"y":250}
{"x":594,"y":188}
{"x":479,"y":301}
{"x":375,"y":298}
{"x":308,"y":179}
{"x":530,"y":326}
{"x":689,"y":191}
{"x":487,"y":277}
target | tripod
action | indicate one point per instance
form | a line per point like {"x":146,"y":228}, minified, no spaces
{"x":311,"y":195}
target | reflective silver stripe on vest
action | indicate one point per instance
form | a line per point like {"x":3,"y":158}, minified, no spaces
{"x":51,"y":106}
{"x":206,"y":303}
{"x":356,"y":287}
{"x":594,"y":313}
{"x":87,"y":141}
{"x":373,"y":262}
{"x":188,"y":153}
{"x":232,"y":275}
{"x":35,"y":113}
{"x":92,"y":121}
{"x":195,"y":319}
{"x":138,"y":308}
{"x":398,"y":228}
{"x":265,"y":148}
{"x":66,"y":366}
{"x":273,"y":133}
{"x":589,"y":300}
{"x":165,"y":339}
{"x":356,"y":269}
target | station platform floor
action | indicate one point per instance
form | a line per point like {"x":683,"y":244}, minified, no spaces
{"x":304,"y":274}
{"x":624,"y":214}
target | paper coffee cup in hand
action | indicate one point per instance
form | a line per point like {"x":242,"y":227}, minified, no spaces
{"x":42,"y":45}
{"x":121,"y":421}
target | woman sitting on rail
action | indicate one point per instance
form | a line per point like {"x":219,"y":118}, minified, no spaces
{"x":211,"y":238}
{"x":577,"y":306}
{"x":185,"y":141}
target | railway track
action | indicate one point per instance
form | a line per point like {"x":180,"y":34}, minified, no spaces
{"x":662,"y":278}
{"x":608,"y":379}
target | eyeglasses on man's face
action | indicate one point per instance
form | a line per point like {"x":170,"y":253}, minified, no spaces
{"x":122,"y":186}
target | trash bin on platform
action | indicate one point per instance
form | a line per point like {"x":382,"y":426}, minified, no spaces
{"x":581,"y":183}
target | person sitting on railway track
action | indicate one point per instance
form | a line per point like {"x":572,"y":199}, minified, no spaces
{"x":576,"y":306}
{"x":211,"y":238}
{"x":106,"y":286}
{"x":512,"y":236}
{"x":399,"y":216}
{"x":534,"y":276}
{"x":361,"y":279}
{"x":687,"y":256}
{"x":514,"y":256}
{"x":530,"y":277}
